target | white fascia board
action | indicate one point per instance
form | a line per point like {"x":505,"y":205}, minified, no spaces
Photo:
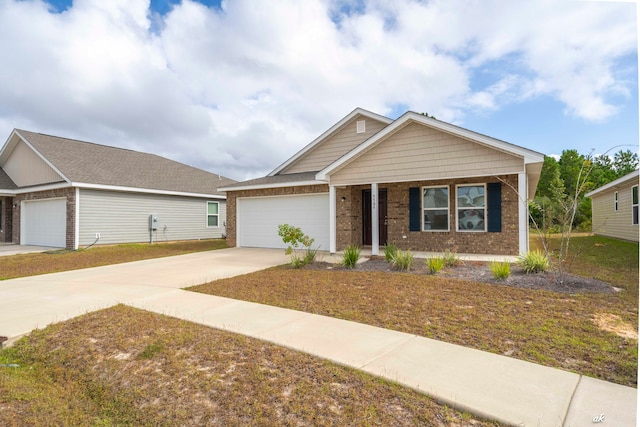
{"x":41,"y":187}
{"x":89,"y":186}
{"x":327,"y":133}
{"x":44,"y":159}
{"x":527,"y":155}
{"x":628,"y":177}
{"x":275,"y":185}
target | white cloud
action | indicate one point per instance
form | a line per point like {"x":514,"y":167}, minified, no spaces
{"x":239,"y":90}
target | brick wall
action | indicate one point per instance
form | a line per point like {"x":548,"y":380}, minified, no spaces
{"x":232,"y":196}
{"x":349,"y":217}
{"x":7,"y":219}
{"x":500,"y":243}
{"x":68,"y":193}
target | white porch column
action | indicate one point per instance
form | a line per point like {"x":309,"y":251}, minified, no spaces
{"x":375,"y":232}
{"x":332,"y":219}
{"x":523,"y":213}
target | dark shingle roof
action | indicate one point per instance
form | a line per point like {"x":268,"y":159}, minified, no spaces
{"x":89,"y":163}
{"x":288,"y":178}
{"x":6,"y":182}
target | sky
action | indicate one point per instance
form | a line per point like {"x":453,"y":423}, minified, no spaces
{"x":239,"y":86}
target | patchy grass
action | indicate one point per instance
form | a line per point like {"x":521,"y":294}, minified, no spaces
{"x":63,"y":260}
{"x":549,"y":328}
{"x":123,"y":366}
{"x":610,"y":260}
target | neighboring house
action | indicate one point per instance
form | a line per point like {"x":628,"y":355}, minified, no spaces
{"x":418,"y":182}
{"x":614,"y":208}
{"x":65,"y":193}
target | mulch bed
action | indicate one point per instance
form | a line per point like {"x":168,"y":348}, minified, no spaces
{"x":480,"y":272}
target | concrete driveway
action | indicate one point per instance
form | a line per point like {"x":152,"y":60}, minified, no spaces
{"x":7,"y":249}
{"x":35,"y":302}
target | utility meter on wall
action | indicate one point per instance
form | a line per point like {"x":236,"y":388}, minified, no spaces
{"x":153,"y":222}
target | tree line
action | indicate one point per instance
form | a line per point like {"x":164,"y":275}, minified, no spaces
{"x":571,"y":177}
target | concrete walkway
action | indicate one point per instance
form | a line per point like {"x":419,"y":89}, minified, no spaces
{"x":497,"y":387}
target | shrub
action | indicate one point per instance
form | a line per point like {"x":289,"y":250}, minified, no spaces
{"x":435,"y":264}
{"x":500,"y":270}
{"x":402,"y":260}
{"x":450,"y":258}
{"x":296,"y":238}
{"x":390,"y":251}
{"x":533,"y":262}
{"x":350,"y":256}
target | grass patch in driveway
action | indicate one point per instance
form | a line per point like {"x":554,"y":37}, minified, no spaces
{"x":123,"y":366}
{"x":553,"y":329}
{"x":14,"y":266}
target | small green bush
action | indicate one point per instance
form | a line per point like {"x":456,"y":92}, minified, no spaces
{"x":534,"y":262}
{"x":435,"y":264}
{"x":295,"y":237}
{"x":390,"y":251}
{"x":450,"y":258}
{"x":350,"y":256}
{"x":402,"y":260}
{"x":500,"y":270}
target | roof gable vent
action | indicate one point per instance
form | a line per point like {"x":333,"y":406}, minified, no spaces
{"x":360,"y":126}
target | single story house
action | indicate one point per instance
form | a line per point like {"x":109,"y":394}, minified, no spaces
{"x":418,"y":182}
{"x":66,"y":193}
{"x":614,"y":208}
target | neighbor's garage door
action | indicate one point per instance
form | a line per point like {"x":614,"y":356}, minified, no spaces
{"x":258,"y":219}
{"x":44,"y":223}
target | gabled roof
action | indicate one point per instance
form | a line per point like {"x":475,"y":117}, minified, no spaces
{"x":285,"y":180}
{"x":529,"y":156}
{"x":622,"y":180}
{"x":333,"y":129}
{"x":85,"y":164}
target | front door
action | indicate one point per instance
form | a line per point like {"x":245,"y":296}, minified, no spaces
{"x":382,"y":217}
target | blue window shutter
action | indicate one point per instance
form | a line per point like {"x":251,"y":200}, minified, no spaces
{"x":414,"y":209}
{"x":494,"y":207}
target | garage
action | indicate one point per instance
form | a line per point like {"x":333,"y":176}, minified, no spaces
{"x":258,"y":219}
{"x":44,"y":222}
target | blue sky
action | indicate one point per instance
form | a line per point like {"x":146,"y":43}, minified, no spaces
{"x":236,"y":87}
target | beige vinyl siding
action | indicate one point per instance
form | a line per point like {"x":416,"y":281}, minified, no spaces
{"x":417,"y":152}
{"x":122,"y":217}
{"x":335,"y":146}
{"x":606,"y":221}
{"x":26,"y":168}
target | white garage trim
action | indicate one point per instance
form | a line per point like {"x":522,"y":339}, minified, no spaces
{"x":44,"y":222}
{"x":257,"y":219}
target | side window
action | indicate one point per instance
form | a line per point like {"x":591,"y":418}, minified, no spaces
{"x":435,"y":209}
{"x":634,"y":205}
{"x":615,"y":201}
{"x":212,"y":214}
{"x":471,"y":209}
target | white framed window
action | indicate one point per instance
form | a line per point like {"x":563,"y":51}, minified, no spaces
{"x":615,"y":201}
{"x":435,"y":208}
{"x":471,"y":207}
{"x":213,"y":213}
{"x":634,"y":205}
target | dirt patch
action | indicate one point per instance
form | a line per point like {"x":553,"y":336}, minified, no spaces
{"x":612,"y":323}
{"x":480,"y":272}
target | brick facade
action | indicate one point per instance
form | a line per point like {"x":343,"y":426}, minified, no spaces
{"x":68,"y":193}
{"x":6,"y":219}
{"x":349,"y":217}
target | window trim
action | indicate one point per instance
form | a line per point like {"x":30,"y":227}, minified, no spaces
{"x":615,"y":201}
{"x":423,"y":209}
{"x":634,"y":205}
{"x":207,"y":215}
{"x":458,"y":208}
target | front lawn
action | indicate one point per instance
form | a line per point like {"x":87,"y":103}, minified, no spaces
{"x":584,"y":333}
{"x":123,"y":366}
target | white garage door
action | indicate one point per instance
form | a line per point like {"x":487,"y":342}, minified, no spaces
{"x":258,"y":218}
{"x":44,"y":223}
